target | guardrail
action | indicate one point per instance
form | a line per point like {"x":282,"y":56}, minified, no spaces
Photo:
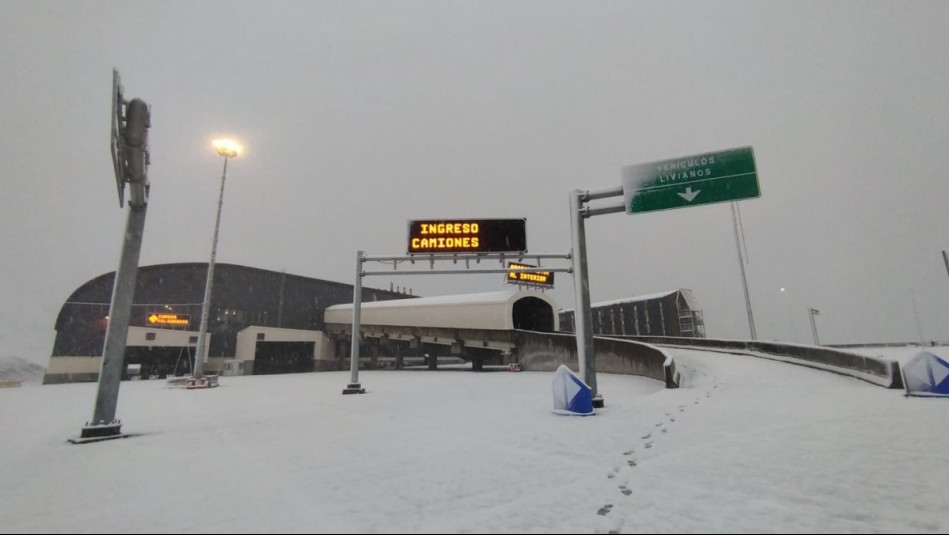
{"x":875,"y":370}
{"x":538,"y":351}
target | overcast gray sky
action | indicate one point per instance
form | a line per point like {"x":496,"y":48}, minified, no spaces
{"x":360,"y":116}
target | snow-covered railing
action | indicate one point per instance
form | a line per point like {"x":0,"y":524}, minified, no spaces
{"x":876,"y":370}
{"x":546,"y":351}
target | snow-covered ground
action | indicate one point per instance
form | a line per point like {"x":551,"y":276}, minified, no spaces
{"x":900,"y":354}
{"x":748,"y":445}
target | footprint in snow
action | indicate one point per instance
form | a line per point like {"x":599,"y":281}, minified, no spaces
{"x":605,"y":509}
{"x":625,"y":490}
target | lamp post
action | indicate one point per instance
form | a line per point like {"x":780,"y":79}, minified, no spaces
{"x":741,"y":265}
{"x":790,"y":308}
{"x":811,"y":313}
{"x":228,"y":149}
{"x":814,"y":312}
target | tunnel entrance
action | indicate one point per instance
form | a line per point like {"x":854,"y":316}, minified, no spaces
{"x":533,"y":314}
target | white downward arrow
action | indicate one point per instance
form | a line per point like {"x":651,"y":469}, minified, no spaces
{"x":689,"y":194}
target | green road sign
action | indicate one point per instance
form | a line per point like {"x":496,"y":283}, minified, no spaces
{"x":722,"y":176}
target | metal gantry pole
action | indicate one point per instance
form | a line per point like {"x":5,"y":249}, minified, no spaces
{"x":583,"y":316}
{"x":744,"y":281}
{"x":354,"y":387}
{"x":201,"y":353}
{"x":104,"y":422}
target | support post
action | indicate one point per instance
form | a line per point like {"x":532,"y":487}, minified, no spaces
{"x":583,"y":317}
{"x":200,"y":352}
{"x":354,"y":387}
{"x":813,"y":312}
{"x":744,"y":281}
{"x":104,"y":424}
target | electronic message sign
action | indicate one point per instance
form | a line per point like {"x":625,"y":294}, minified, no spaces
{"x":543,"y":279}
{"x":456,"y":236}
{"x":164,"y":318}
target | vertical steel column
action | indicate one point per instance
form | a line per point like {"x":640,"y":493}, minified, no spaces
{"x":116,"y":336}
{"x":201,"y":353}
{"x":354,"y":387}
{"x":744,"y":281}
{"x":583,"y":317}
{"x":810,"y":312}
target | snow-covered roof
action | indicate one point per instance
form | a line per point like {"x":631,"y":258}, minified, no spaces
{"x":461,"y":299}
{"x":636,"y":299}
{"x":488,"y":310}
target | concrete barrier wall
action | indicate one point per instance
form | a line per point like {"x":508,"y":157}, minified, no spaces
{"x":875,"y":370}
{"x":928,"y":343}
{"x":63,"y":378}
{"x":547,"y":351}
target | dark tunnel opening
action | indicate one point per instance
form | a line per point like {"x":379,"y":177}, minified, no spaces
{"x":533,"y":314}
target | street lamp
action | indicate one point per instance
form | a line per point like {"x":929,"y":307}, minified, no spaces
{"x":228,"y":149}
{"x":811,"y":313}
{"x":790,"y":308}
{"x":814,"y":312}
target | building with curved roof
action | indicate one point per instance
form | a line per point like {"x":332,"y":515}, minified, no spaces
{"x":283,"y":313}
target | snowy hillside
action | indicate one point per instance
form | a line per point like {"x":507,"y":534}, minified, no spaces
{"x":17,"y":369}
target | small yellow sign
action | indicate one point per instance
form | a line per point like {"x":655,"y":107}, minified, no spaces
{"x":178,"y":320}
{"x":537,"y":278}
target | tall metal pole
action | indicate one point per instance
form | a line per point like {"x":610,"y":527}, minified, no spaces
{"x":354,"y":387}
{"x":583,"y":316}
{"x":131,"y":159}
{"x":813,"y":312}
{"x":116,"y":335}
{"x":789,"y":306}
{"x":206,"y":307}
{"x":744,"y":281}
